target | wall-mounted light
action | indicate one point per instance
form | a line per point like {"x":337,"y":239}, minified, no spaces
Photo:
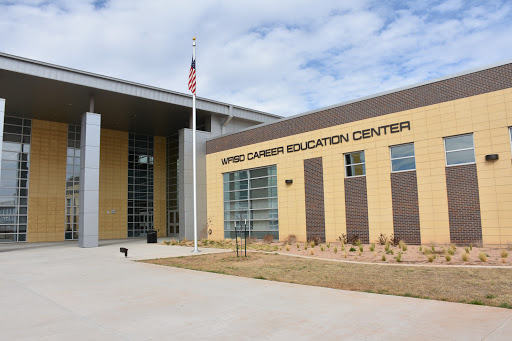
{"x":289,"y":181}
{"x":492,"y":157}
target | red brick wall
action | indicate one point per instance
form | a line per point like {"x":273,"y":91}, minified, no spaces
{"x":406,"y":215}
{"x":314,"y":192}
{"x":463,"y":204}
{"x":472,"y":84}
{"x":356,"y":209}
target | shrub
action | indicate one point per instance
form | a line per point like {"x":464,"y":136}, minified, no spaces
{"x":390,"y":252}
{"x":386,"y":247}
{"x":352,"y":249}
{"x":482,"y":256}
{"x":335,"y":250}
{"x":305,"y":245}
{"x":466,"y":249}
{"x":357,"y":242}
{"x":394,"y":240}
{"x":431,"y":258}
{"x":312,"y":252}
{"x":354,"y":239}
{"x":167,"y":242}
{"x":451,"y":250}
{"x":372,"y":247}
{"x":343,"y":239}
{"x":312,"y":244}
{"x":383,"y":258}
{"x":345,"y":253}
{"x":292,"y":239}
{"x":298,"y":246}
{"x":315,"y":241}
{"x":382,"y":239}
{"x":421,"y":248}
{"x":322,"y":247}
{"x":173,"y":242}
{"x":465,"y":257}
{"x":433,"y":248}
{"x":448,"y":257}
{"x":185,"y":240}
{"x":328,"y":245}
{"x":404,"y":247}
{"x":268,"y":238}
{"x":503,"y":253}
{"x":287,"y":247}
{"x":399,"y":257}
{"x":471,"y":246}
{"x":360,"y":248}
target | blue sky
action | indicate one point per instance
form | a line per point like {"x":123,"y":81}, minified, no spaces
{"x":284,"y":57}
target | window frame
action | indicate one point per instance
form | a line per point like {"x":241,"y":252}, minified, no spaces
{"x":400,"y":158}
{"x":458,"y":150}
{"x":354,"y":164}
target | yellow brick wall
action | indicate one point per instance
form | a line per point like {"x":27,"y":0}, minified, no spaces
{"x":47,"y":183}
{"x":113,"y":191}
{"x":159,"y":179}
{"x":487,"y":116}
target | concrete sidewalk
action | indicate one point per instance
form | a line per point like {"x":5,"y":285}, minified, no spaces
{"x":61,"y":292}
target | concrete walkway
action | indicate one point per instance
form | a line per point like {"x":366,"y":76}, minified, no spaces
{"x":61,"y":292}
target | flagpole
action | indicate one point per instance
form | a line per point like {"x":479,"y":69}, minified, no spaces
{"x":194,"y":152}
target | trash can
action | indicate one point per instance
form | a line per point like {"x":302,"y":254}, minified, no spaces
{"x":152,"y":236}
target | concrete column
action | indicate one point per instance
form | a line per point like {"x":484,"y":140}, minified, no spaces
{"x":2,"y":114}
{"x":185,"y":195}
{"x":89,"y":180}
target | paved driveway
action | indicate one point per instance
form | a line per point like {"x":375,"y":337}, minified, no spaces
{"x":61,"y":292}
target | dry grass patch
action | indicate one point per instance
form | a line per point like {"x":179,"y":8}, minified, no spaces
{"x":491,"y":287}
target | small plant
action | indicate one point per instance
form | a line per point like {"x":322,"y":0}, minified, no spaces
{"x":390,"y":252}
{"x":383,"y":258}
{"x":404,"y":247}
{"x":431,"y":258}
{"x":433,"y":248}
{"x":421,"y":248}
{"x":328,"y":245}
{"x":399,"y":257}
{"x":315,"y":240}
{"x":387,"y":246}
{"x":360,"y":248}
{"x":298,"y":246}
{"x":268,"y":239}
{"x":448,"y":257}
{"x":312,"y":244}
{"x":312,"y":252}
{"x":173,"y":242}
{"x":292,"y":239}
{"x":322,"y":247}
{"x":335,"y":250}
{"x":482,"y":256}
{"x":471,"y":246}
{"x":465,"y":257}
{"x":352,"y":249}
{"x":372,"y":247}
{"x":466,"y":249}
{"x":503,"y":260}
{"x":382,"y":239}
{"x":305,"y":245}
{"x":343,"y":239}
{"x":394,"y":239}
{"x":167,"y":242}
{"x":490,"y":296}
{"x":451,"y":251}
{"x":185,"y":240}
{"x":287,"y":247}
{"x":503,"y":253}
{"x":357,"y":242}
{"x":346,"y":254}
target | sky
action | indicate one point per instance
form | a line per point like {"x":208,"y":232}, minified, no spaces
{"x":283,"y":57}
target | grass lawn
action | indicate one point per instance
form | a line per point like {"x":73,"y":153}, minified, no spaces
{"x":491,"y":287}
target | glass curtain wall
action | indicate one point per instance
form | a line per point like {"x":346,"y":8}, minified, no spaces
{"x":14,"y":179}
{"x":140,"y":184}
{"x":72,"y":183}
{"x":172,"y":184}
{"x":250,"y":199}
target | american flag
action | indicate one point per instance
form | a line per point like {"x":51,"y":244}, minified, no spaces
{"x":192,"y":77}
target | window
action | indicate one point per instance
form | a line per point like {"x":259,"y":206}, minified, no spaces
{"x":140,"y":184}
{"x":72,"y":183}
{"x":354,"y":164}
{"x":402,"y":158}
{"x":250,"y":199}
{"x":14,"y":177}
{"x":459,"y":150}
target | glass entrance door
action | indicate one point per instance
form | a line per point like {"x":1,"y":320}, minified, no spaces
{"x":173,"y":223}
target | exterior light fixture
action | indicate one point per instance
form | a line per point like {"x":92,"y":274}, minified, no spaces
{"x":492,"y":157}
{"x":289,"y":181}
{"x":124,"y":250}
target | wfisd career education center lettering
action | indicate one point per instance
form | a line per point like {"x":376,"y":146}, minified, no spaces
{"x":322,"y":142}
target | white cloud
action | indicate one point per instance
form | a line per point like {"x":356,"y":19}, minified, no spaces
{"x":283,"y":57}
